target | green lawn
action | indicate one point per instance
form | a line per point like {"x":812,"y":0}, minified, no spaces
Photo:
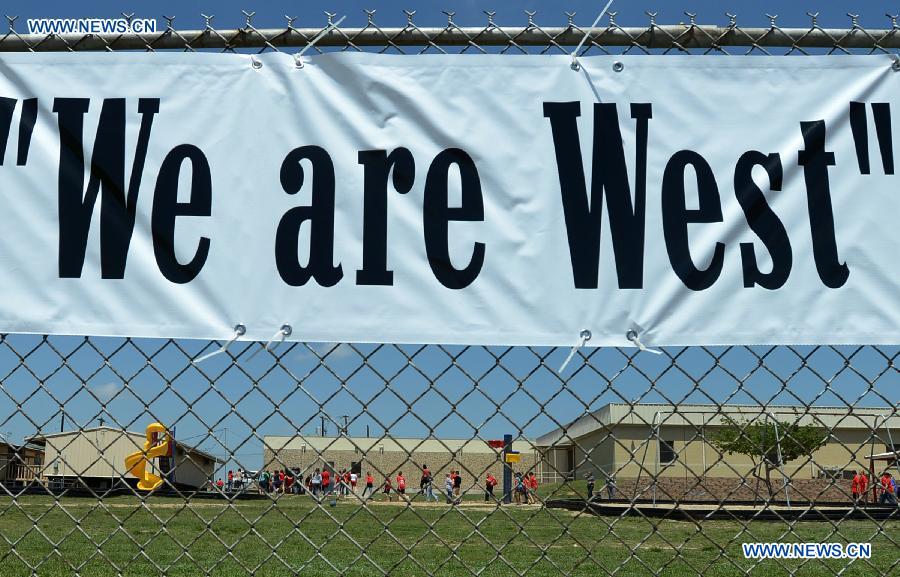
{"x":121,"y":536}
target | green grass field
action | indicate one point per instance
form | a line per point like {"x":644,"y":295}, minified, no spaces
{"x":122,"y":536}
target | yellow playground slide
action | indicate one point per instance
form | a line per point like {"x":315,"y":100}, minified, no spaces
{"x":157,"y":445}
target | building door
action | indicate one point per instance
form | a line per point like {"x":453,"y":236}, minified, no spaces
{"x":355,"y":468}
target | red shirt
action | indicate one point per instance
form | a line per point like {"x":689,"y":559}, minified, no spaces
{"x":491,"y":481}
{"x":859,"y":483}
{"x":346,"y":477}
{"x":533,"y":483}
{"x":401,"y":482}
{"x":230,"y":476}
{"x":326,"y":477}
{"x":370,"y":480}
{"x":886,"y":484}
{"x":387,"y":482}
{"x":281,"y":475}
{"x":219,"y":483}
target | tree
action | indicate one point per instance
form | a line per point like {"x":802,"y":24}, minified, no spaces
{"x":768,"y":443}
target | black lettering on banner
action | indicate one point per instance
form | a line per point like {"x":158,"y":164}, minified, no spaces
{"x":881,"y":113}
{"x":107,"y":176}
{"x":676,"y":217}
{"x":7,"y":107}
{"x":378,"y":166}
{"x":610,"y":174}
{"x":762,"y":220}
{"x":860,"y":135}
{"x":166,"y":209}
{"x":319,"y":213}
{"x":26,"y":128}
{"x":815,"y":161}
{"x":437,"y":216}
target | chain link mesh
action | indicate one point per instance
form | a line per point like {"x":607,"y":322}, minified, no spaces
{"x":630,"y":455}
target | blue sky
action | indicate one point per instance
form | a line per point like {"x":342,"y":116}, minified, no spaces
{"x":468,"y":12}
{"x":435,"y":380}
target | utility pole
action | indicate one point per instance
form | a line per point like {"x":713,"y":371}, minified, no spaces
{"x":322,"y":429}
{"x":345,"y":417}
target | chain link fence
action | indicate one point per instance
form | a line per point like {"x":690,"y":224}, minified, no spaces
{"x":344,"y":459}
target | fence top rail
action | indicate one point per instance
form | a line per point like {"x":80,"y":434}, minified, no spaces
{"x":654,"y":36}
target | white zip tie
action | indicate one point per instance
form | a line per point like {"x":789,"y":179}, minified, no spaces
{"x":239,"y":331}
{"x":575,"y":65}
{"x":283,"y":332}
{"x":632,"y":336}
{"x":298,"y":58}
{"x":584,"y":337}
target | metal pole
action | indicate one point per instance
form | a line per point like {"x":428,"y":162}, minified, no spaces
{"x":507,"y":470}
{"x":655,"y":464}
{"x":891,"y":443}
{"x":784,"y":478}
{"x":872,"y":461}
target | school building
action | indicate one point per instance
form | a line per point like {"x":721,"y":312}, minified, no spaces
{"x":95,"y":458}
{"x":474,"y":458}
{"x":663,"y":451}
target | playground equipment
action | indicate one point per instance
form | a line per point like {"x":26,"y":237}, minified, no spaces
{"x":159,"y":444}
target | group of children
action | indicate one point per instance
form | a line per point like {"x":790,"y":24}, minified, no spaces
{"x":887,"y":489}
{"x":525,"y":489}
{"x":320,"y":482}
{"x":343,"y":483}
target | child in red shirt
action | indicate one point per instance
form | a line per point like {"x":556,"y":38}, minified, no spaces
{"x":401,"y":484}
{"x":387,"y":488}
{"x":858,"y":487}
{"x":489,"y":487}
{"x":326,"y":482}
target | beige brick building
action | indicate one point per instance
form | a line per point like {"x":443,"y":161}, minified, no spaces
{"x":388,"y":456}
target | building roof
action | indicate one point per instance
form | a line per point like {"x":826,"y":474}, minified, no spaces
{"x":883,"y":457}
{"x":140,"y":438}
{"x":647,"y":414}
{"x":389,"y":444}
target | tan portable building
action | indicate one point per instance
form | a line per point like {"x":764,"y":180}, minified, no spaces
{"x":95,"y":458}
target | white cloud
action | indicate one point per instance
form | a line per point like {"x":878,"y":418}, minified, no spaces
{"x":105,"y":391}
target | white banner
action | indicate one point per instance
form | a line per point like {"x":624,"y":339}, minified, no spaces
{"x":473,"y":199}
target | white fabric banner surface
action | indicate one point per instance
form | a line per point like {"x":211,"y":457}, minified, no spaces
{"x":466,"y":199}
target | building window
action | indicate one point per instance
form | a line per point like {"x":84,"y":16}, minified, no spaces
{"x":667,"y":452}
